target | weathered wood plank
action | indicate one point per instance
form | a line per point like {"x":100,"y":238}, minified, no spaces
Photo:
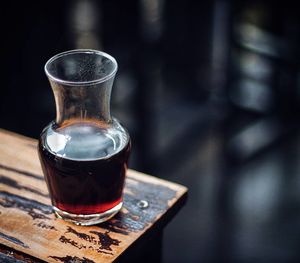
{"x":9,"y":259}
{"x":28,"y":225}
{"x":9,"y":255}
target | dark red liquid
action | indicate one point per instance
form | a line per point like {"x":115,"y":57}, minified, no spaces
{"x":88,"y":186}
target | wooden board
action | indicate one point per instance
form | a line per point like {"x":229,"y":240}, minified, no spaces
{"x":28,"y":225}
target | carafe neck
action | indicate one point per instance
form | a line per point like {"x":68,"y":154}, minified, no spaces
{"x":79,"y":103}
{"x":81,"y":81}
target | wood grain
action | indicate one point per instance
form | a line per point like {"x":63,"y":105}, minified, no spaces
{"x":28,"y":225}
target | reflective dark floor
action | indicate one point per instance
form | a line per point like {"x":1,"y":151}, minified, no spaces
{"x":209,"y":91}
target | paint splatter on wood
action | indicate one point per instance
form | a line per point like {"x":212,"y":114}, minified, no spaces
{"x":33,"y":208}
{"x":13,"y":183}
{"x":26,"y":173}
{"x":105,"y":241}
{"x":66,"y":240}
{"x":13,"y":240}
{"x":83,"y":236}
{"x":70,"y":259}
{"x":45,"y":226}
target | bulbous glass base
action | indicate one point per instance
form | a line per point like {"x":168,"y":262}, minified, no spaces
{"x":87,"y":220}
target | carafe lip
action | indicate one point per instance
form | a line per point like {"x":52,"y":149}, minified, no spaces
{"x":81,"y":83}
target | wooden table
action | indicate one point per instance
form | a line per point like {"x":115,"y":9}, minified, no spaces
{"x":30,"y":232}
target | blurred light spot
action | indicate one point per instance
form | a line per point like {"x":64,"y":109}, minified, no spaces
{"x":258,"y":40}
{"x":151,"y":18}
{"x":257,"y":191}
{"x":252,"y":95}
{"x":254,"y":66}
{"x":254,"y":138}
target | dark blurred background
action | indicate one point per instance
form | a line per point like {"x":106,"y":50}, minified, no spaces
{"x":209,"y":91}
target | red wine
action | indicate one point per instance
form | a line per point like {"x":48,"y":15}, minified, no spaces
{"x":84,"y":166}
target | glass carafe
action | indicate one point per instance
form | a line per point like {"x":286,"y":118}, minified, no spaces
{"x":84,"y":152}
